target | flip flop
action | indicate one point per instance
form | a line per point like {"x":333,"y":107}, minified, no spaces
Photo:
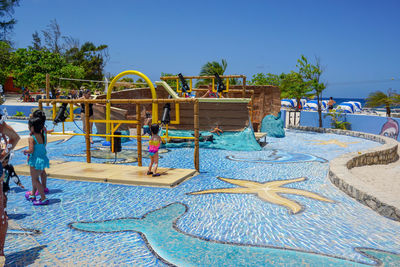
{"x":40,"y":202}
{"x":149,"y":173}
{"x":30,"y":198}
{"x":156,"y":174}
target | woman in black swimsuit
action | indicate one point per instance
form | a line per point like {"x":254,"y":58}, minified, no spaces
{"x":87,"y":95}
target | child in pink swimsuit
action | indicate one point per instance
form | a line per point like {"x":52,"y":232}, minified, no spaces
{"x":154,"y":145}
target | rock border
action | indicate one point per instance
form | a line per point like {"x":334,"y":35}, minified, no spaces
{"x":339,"y":168}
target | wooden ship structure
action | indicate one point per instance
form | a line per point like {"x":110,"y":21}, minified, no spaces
{"x":236,"y":108}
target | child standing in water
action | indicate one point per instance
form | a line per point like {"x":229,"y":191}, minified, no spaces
{"x":154,"y":145}
{"x":38,"y":160}
{"x":147,"y":123}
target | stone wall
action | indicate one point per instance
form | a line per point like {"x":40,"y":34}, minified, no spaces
{"x":339,"y":168}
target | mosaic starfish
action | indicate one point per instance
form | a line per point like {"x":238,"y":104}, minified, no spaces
{"x":268,"y":191}
{"x":333,"y":142}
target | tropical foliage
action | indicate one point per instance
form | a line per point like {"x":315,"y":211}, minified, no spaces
{"x":311,"y":73}
{"x":293,"y":86}
{"x":5,"y":53}
{"x":265,"y":79}
{"x":338,"y":120}
{"x":6,"y":21}
{"x":90,"y":57}
{"x":379,"y":98}
{"x":210,"y":68}
{"x":29,"y":67}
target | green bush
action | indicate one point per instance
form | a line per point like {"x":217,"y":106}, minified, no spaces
{"x":337,"y":122}
{"x":20,"y":114}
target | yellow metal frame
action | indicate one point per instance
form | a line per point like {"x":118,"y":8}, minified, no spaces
{"x":113,"y":127}
{"x":111,"y":86}
{"x":179,"y":90}
{"x":226,"y":88}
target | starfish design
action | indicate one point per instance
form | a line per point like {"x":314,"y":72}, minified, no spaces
{"x":268,"y":191}
{"x":333,"y":142}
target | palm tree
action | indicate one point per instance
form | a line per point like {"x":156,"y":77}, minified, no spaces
{"x":210,"y":68}
{"x":379,"y":98}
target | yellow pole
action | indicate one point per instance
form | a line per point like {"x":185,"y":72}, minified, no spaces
{"x":196,"y":135}
{"x":87,"y":123}
{"x":112,"y":84}
{"x":139,"y":135}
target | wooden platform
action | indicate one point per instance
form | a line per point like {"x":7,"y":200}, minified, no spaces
{"x":110,"y":173}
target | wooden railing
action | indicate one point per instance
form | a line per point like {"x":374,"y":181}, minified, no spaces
{"x":138,"y":135}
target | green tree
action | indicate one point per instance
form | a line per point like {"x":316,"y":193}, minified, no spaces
{"x":265,"y":79}
{"x":293,"y":86}
{"x":29,"y":68}
{"x":312,"y":74}
{"x":90,"y":57}
{"x":7,"y":22}
{"x":210,"y":68}
{"x":5,"y":54}
{"x":379,"y":98}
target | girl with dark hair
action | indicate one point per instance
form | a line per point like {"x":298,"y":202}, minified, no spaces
{"x":154,"y":145}
{"x":38,"y":160}
{"x":43,"y":177}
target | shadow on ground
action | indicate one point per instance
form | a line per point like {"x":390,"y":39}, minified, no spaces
{"x":25,"y":257}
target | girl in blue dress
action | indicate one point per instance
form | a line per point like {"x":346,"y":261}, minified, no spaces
{"x":38,"y":159}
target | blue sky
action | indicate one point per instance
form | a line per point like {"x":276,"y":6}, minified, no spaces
{"x":357,"y":41}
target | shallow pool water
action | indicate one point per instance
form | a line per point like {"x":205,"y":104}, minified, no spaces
{"x":225,"y":212}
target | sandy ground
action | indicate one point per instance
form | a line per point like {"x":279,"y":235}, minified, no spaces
{"x":384,"y":181}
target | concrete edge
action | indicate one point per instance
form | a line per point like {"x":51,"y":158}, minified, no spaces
{"x":339,"y":168}
{"x":150,"y":183}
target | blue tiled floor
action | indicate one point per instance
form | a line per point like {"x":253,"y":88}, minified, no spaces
{"x":334,"y":229}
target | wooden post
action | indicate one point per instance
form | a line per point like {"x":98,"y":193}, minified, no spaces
{"x":139,"y":135}
{"x":244,"y":87}
{"x":196,"y":134}
{"x":47,"y":87}
{"x":87,"y":123}
{"x":40,"y":105}
{"x":251,"y":108}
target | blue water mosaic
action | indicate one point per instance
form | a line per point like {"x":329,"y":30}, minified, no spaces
{"x":344,"y":232}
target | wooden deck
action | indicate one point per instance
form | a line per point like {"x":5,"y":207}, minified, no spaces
{"x":110,"y":173}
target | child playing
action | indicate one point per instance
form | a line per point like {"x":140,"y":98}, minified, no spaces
{"x":154,"y":145}
{"x":37,"y":160}
{"x":43,"y":177}
{"x":217,"y":130}
{"x":147,"y":123}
